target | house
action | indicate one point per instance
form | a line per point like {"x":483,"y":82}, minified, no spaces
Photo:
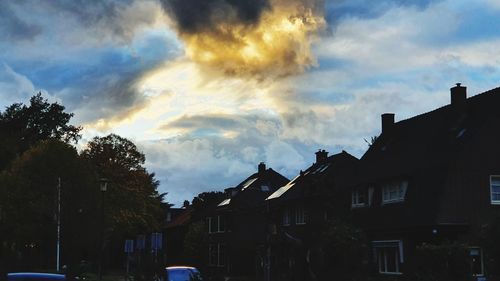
{"x":174,"y":232}
{"x":237,"y":227}
{"x":431,"y":178}
{"x":299,"y":210}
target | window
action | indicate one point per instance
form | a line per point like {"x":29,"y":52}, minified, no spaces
{"x":216,"y":224}
{"x":221,"y":226}
{"x":286,"y":216}
{"x":358,"y":198}
{"x":264,"y":188}
{"x":394,"y":192}
{"x":216,"y":254}
{"x":300,"y":215}
{"x":169,"y":216}
{"x":476,"y":256}
{"x":388,"y":256}
{"x":212,"y":254}
{"x":495,"y":189}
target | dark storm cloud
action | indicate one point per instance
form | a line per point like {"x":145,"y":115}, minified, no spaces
{"x":13,"y":27}
{"x":192,"y":16}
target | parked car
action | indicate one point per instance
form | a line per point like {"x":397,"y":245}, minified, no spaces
{"x":35,"y":276}
{"x":182,"y":273}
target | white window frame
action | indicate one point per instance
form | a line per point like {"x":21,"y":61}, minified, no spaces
{"x":493,"y":201}
{"x":209,"y":219}
{"x":286,"y":217}
{"x":300,"y":215}
{"x":355,"y":198}
{"x":380,"y":256}
{"x":399,"y":187}
{"x":481,"y":257}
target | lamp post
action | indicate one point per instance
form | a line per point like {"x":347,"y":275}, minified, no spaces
{"x":103,"y":184}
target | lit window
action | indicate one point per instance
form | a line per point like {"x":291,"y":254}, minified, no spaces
{"x":476,"y":257}
{"x":358,"y":198}
{"x":388,"y":256}
{"x":495,"y":189}
{"x":286,"y":217}
{"x":300,"y":215}
{"x":394,"y":192}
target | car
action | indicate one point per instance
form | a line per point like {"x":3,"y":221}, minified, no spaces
{"x":35,"y":276}
{"x":182,"y":273}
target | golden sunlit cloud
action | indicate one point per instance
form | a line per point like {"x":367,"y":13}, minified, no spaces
{"x":276,"y":43}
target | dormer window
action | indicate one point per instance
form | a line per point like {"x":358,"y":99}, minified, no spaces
{"x":393,"y":192}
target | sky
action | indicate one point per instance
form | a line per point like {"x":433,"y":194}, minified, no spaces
{"x":208,"y":89}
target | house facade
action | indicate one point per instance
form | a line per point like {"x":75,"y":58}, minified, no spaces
{"x":431,"y":179}
{"x":298,"y":212}
{"x":237,"y":228}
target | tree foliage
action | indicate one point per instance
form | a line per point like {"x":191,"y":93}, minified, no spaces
{"x":132,"y":199}
{"x":22,"y":126}
{"x":30,"y":199}
{"x":343,"y":248}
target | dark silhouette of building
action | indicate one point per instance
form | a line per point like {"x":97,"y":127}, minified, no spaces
{"x":298,"y":211}
{"x":237,"y":228}
{"x":431,"y":178}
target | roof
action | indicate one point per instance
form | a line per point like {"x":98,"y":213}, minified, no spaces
{"x":331,"y":169}
{"x":430,"y":140}
{"x":181,"y":219}
{"x":425,"y":150}
{"x":254,"y":189}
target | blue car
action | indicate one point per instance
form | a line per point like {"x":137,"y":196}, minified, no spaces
{"x":182,"y":273}
{"x":35,"y":276}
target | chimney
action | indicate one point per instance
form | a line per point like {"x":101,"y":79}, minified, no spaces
{"x":458,"y":96}
{"x":387,"y":122}
{"x":321,"y":156}
{"x":262,"y":167}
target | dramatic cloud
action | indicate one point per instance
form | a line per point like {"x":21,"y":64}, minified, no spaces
{"x":12,"y":27}
{"x":249,"y":38}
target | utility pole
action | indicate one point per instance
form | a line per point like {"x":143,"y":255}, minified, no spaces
{"x":58,"y":245}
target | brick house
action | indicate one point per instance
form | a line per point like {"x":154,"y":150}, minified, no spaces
{"x":237,"y":228}
{"x":298,"y":211}
{"x":431,"y":178}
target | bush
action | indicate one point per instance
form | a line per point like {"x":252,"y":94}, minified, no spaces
{"x":443,"y":262}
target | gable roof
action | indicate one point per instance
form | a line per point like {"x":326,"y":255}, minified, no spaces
{"x":425,"y":150}
{"x":254,"y":189}
{"x":182,"y":219}
{"x":428,"y":141}
{"x":327,"y":170}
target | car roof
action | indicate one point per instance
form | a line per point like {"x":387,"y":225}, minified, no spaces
{"x":39,"y":275}
{"x":181,"y":267}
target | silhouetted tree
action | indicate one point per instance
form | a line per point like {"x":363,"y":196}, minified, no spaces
{"x":23,"y":126}
{"x":29,"y":199}
{"x":132,"y":200}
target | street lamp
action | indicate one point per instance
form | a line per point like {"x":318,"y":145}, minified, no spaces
{"x":103,"y":184}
